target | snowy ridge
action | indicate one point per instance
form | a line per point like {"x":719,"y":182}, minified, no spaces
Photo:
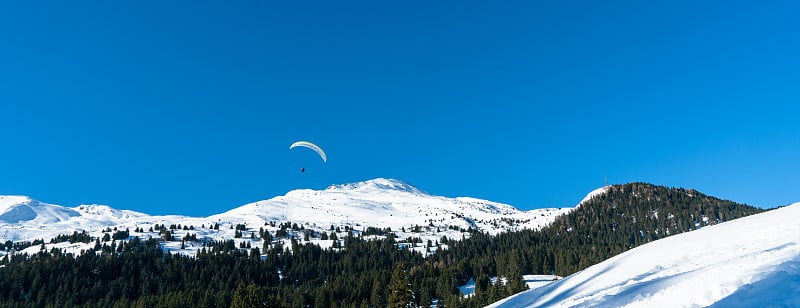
{"x":748,"y":262}
{"x":378,"y":203}
{"x":16,"y":209}
{"x":377,"y":185}
{"x":595,"y":193}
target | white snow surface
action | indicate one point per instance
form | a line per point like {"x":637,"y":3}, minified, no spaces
{"x":389,"y":203}
{"x":748,"y":262}
{"x":25,"y":219}
{"x":14,"y":209}
{"x":380,"y":203}
{"x":595,"y":193}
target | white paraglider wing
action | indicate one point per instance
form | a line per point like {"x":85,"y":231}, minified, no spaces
{"x":312,"y":146}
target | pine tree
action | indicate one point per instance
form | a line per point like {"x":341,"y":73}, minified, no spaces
{"x":377,"y":294}
{"x":516,"y":284}
{"x":248,"y":296}
{"x":400,"y":293}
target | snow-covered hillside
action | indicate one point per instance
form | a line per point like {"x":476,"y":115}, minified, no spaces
{"x":18,"y":209}
{"x":388,"y":203}
{"x":379,"y":203}
{"x":25,"y":219}
{"x":748,"y":262}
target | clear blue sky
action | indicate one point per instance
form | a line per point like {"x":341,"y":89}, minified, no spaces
{"x":189,"y":107}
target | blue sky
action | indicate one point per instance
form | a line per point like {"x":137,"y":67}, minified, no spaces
{"x":189,"y":107}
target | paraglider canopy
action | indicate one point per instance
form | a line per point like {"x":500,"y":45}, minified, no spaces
{"x":311,"y":146}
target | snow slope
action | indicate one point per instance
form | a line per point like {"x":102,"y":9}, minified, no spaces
{"x":532,"y":281}
{"x":380,"y":203}
{"x":748,"y":262}
{"x":25,"y":219}
{"x":389,"y":203}
{"x":15,"y":209}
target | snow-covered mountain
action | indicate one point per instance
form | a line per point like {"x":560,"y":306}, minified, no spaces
{"x":25,"y":219}
{"x":388,"y":203}
{"x":379,"y":203}
{"x":749,"y":262}
{"x":16,"y":209}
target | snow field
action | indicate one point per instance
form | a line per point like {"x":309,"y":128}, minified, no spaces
{"x":706,"y":267}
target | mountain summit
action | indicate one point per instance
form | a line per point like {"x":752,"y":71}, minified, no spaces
{"x":17,"y":209}
{"x":377,"y":185}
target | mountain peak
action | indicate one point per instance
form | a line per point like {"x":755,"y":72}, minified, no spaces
{"x":11,"y":200}
{"x":595,"y":193}
{"x":16,"y":209}
{"x":376,"y":185}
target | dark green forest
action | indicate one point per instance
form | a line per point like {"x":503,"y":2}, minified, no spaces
{"x":364,"y":273}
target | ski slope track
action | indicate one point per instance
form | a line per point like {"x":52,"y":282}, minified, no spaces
{"x":379,"y":203}
{"x":748,"y":262}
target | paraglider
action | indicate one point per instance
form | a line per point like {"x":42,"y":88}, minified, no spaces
{"x":311,"y":146}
